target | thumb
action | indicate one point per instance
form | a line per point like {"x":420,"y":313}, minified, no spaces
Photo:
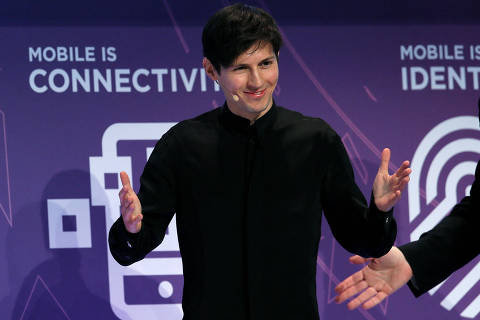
{"x":385,"y":160}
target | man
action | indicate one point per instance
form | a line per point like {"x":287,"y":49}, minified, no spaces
{"x":422,"y":264}
{"x":248,"y":182}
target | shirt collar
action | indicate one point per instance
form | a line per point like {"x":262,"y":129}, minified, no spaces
{"x":242,"y":125}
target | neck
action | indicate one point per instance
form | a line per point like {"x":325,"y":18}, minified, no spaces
{"x":251,"y":116}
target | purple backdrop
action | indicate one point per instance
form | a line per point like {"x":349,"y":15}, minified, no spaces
{"x":67,"y":130}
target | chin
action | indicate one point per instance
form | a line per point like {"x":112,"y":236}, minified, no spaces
{"x":258,"y":110}
{"x":261,"y":105}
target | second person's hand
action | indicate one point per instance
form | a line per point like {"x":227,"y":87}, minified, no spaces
{"x":376,"y":281}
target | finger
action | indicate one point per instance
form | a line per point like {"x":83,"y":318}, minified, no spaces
{"x":402,"y":176}
{"x":132,"y":217}
{"x":125,"y":202}
{"x":350,"y":281}
{"x":123,"y":211}
{"x":357,"y":259}
{"x":385,"y":159}
{"x":350,"y":292}
{"x":122,"y":192}
{"x":130,"y":197}
{"x":405,"y":165}
{"x":125,"y":179}
{"x":392,"y":198}
{"x":130,"y":204}
{"x":403,"y":172}
{"x":403,"y":183}
{"x":375,"y":300}
{"x":364,"y":296}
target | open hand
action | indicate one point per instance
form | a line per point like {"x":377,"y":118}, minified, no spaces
{"x":388,"y":189}
{"x":376,"y":281}
{"x":130,"y":206}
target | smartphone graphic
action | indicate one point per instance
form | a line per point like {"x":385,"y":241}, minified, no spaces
{"x":151,"y":288}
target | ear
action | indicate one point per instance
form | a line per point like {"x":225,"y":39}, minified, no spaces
{"x":209,"y":69}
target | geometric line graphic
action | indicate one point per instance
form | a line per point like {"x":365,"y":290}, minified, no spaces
{"x":326,"y":95}
{"x":176,"y":27}
{"x":370,"y":94}
{"x":49,"y":292}
{"x":355,"y":157}
{"x":6,"y":208}
{"x":277,"y":90}
{"x":331,"y":101}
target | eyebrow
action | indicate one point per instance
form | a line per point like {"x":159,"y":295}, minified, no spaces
{"x":245,"y":64}
{"x":268,"y":58}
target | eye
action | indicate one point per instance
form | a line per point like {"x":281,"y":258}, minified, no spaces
{"x":266,"y":64}
{"x":239,"y":68}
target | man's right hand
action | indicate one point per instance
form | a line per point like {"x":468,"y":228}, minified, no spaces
{"x":376,"y":281}
{"x":130,"y":206}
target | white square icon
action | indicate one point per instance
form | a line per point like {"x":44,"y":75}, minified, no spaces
{"x":69,"y":223}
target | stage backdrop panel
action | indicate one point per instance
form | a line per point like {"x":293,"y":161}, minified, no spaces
{"x":78,"y":105}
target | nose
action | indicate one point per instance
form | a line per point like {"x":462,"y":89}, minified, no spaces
{"x":255,"y":80}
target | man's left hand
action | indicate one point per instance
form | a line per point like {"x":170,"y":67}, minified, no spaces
{"x":387,"y":189}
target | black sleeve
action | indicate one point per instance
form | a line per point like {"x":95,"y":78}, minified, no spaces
{"x":157,"y":196}
{"x":359,"y":229}
{"x":448,"y":246}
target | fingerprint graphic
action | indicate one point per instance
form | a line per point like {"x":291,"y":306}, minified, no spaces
{"x":445,"y":156}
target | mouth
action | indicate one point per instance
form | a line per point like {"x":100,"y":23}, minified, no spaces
{"x":256,"y":94}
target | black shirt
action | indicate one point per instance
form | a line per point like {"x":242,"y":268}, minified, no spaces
{"x":249,"y":201}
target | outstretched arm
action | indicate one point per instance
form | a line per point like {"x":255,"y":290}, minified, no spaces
{"x":145,"y":218}
{"x":366,"y":230}
{"x":455,"y":236}
{"x":376,"y":281}
{"x":387,"y":189}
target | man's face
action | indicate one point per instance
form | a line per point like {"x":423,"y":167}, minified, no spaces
{"x":252,"y":78}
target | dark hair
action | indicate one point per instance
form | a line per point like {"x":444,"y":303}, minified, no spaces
{"x":234,"y":29}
